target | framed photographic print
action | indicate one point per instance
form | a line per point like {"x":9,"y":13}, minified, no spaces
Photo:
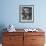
{"x":26,"y":13}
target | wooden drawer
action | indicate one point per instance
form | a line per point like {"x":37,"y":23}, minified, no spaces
{"x":34,"y":33}
{"x":13,"y":33}
{"x":37,"y":39}
{"x":20,"y":44}
{"x":33,"y":39}
{"x":12,"y":39}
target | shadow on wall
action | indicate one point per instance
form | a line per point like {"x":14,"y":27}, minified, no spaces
{"x":2,"y":26}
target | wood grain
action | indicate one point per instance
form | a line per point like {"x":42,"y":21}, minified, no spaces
{"x":23,"y":38}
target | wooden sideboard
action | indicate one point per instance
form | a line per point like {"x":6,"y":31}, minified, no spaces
{"x":23,"y":38}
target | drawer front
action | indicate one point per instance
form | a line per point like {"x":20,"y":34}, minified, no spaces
{"x":34,"y":33}
{"x":33,"y":40}
{"x":13,"y":33}
{"x":37,"y":39}
{"x":12,"y":44}
{"x":12,"y":39}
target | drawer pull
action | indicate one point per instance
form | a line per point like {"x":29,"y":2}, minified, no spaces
{"x":33,"y":39}
{"x":10,"y":38}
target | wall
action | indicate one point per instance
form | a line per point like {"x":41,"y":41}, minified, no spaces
{"x":9,"y":13}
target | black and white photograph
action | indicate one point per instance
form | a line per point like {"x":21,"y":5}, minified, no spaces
{"x":26,"y":13}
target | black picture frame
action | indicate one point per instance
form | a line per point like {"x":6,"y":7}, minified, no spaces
{"x":26,"y":13}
